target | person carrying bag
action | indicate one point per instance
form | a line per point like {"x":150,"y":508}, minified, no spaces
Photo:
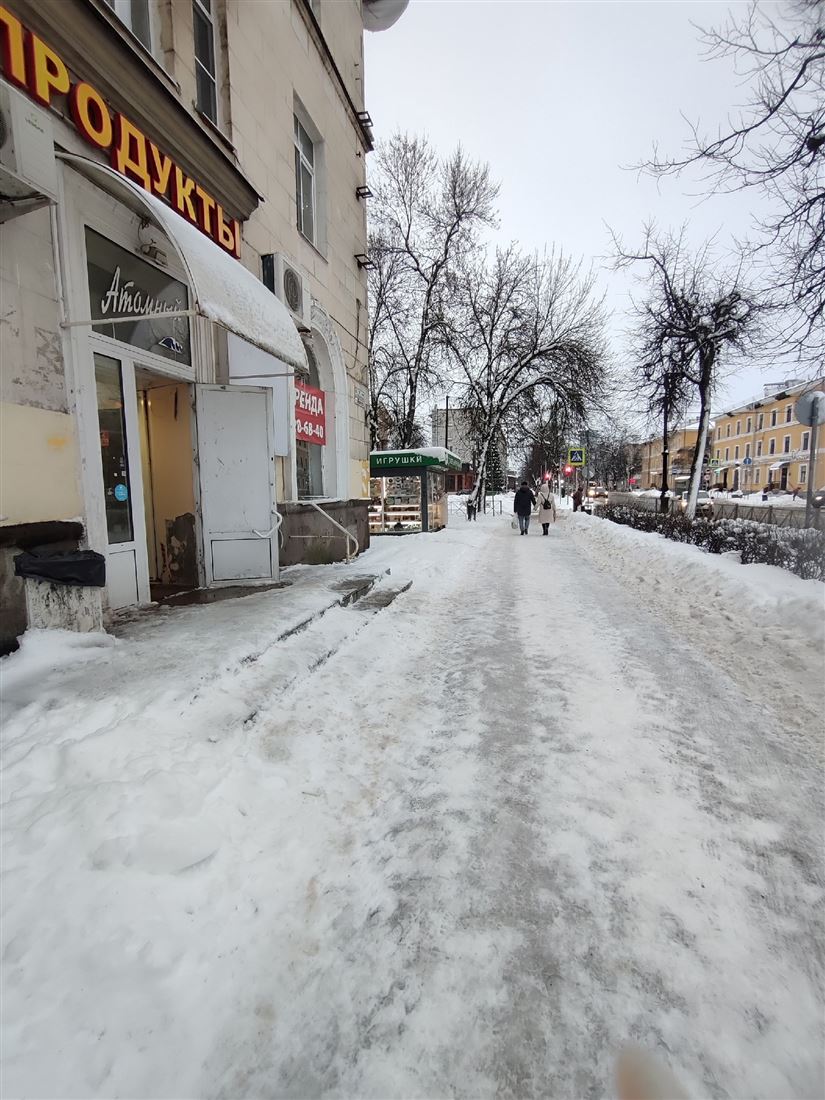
{"x":547,"y":507}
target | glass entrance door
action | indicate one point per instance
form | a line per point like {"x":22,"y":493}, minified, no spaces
{"x":126,"y":566}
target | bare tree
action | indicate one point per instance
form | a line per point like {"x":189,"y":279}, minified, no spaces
{"x":776,"y":144}
{"x":693,"y":310}
{"x":425,"y":215}
{"x":522,"y":324}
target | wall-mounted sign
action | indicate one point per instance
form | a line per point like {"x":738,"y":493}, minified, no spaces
{"x":32,"y":65}
{"x":122,"y":285}
{"x":310,"y":414}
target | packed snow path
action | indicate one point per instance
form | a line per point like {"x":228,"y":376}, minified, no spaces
{"x":516,"y":820}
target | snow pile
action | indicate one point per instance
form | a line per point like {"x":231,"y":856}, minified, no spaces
{"x":750,"y":612}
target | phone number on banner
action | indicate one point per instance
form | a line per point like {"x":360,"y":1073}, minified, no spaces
{"x":307,"y":428}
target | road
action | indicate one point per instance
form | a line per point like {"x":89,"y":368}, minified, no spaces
{"x":514,"y":821}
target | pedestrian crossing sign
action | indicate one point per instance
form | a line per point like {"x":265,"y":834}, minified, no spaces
{"x":575,"y":456}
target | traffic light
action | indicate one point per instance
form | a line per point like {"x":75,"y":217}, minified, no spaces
{"x":568,"y":470}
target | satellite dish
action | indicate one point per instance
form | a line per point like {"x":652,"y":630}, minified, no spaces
{"x":380,"y":15}
{"x":810,"y":408}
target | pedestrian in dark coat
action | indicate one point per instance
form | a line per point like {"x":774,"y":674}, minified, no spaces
{"x":522,"y":506}
{"x":577,"y":499}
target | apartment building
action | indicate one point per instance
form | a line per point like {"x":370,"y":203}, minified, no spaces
{"x":681,"y":444}
{"x":760,"y":445}
{"x":452,"y":428}
{"x":182,"y":248}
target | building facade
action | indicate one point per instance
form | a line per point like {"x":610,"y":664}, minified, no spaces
{"x":182,"y":238}
{"x":681,"y":444}
{"x":452,"y":429}
{"x":760,"y":446}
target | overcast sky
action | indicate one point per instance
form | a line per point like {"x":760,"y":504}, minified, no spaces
{"x":560,"y":98}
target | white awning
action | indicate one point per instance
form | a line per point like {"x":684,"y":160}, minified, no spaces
{"x":778,"y":465}
{"x":224,"y":290}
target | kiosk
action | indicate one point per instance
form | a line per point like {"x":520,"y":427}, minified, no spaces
{"x":407,"y":490}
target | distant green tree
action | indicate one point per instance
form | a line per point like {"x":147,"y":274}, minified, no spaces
{"x":495,"y":474}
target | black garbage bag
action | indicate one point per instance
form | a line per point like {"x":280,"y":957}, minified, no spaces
{"x":81,"y":567}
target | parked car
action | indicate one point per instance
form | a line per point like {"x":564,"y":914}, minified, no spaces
{"x":704,"y":504}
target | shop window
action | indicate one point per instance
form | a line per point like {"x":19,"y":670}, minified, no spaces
{"x":788,"y":413}
{"x":803,"y":475}
{"x":305,"y":181}
{"x":806,"y":441}
{"x":134,"y":14}
{"x":203,"y":20}
{"x":309,"y":466}
{"x":772,"y":447}
{"x":113,"y":452}
{"x":121,"y":285}
{"x":786,"y":445}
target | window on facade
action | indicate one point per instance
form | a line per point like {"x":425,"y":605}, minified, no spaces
{"x":738,"y":427}
{"x":760,"y":422}
{"x":773,"y":419}
{"x":749,"y":424}
{"x":806,"y":440}
{"x":736,"y":452}
{"x":305,"y":181}
{"x":747,"y":450}
{"x":203,"y":19}
{"x":717,"y":454}
{"x":788,"y":413}
{"x":134,"y":14}
{"x":718,"y":433}
{"x":803,"y":475}
{"x":756,"y":477}
{"x":759,"y":449}
{"x":727,"y":453}
{"x":772,"y":447}
{"x":727,"y":431}
{"x":786,"y":444}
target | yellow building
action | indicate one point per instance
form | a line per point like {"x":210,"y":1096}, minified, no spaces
{"x":761,"y":445}
{"x":681,"y":443}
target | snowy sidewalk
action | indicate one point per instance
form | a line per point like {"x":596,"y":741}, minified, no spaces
{"x":470,"y":853}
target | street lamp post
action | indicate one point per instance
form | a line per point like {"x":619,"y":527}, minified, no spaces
{"x":447,"y":423}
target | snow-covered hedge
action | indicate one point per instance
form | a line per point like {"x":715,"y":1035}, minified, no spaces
{"x":799,"y":551}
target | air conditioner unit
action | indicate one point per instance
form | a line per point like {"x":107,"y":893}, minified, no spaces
{"x":28,"y":169}
{"x":288,"y":283}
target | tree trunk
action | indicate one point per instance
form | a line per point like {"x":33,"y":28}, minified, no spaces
{"x":705,"y":376}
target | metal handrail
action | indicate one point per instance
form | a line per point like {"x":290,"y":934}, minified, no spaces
{"x":278,"y":524}
{"x":348,"y":535}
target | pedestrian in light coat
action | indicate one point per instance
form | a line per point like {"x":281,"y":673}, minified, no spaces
{"x":547,"y":507}
{"x":522,"y":506}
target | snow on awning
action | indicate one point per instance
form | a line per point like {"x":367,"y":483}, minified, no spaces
{"x":224,"y":290}
{"x":778,"y":465}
